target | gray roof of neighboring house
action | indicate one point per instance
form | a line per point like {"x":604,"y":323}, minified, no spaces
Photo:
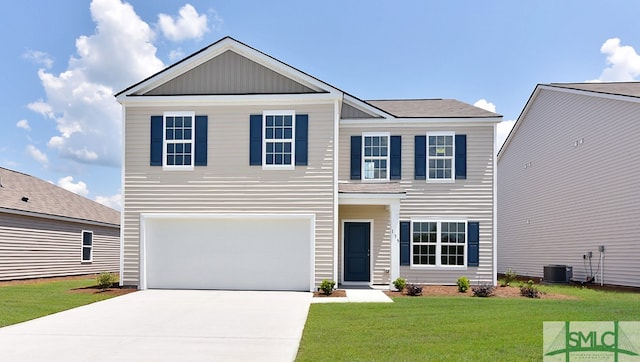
{"x":48,"y":199}
{"x":630,"y":89}
{"x":430,"y":108}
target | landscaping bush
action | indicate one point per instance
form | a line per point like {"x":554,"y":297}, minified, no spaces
{"x":502,"y":282}
{"x":463,"y":284}
{"x":483,"y":290}
{"x":327,"y":286}
{"x":529,"y":290}
{"x":399,"y":284}
{"x":105,"y":280}
{"x":510,"y":275}
{"x":413,"y":290}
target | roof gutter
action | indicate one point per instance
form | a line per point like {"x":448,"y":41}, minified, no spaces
{"x":57,"y":217}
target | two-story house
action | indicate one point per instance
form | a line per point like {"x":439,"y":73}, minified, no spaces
{"x":242,"y":172}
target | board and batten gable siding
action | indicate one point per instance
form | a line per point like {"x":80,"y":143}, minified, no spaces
{"x":34,"y":247}
{"x":381,"y":252}
{"x":230,"y":73}
{"x":228,"y":184}
{"x":558,"y":200}
{"x":469,"y":199}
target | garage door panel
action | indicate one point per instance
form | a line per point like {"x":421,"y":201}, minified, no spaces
{"x":225,"y":253}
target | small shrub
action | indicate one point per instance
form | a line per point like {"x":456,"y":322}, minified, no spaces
{"x":463,"y":284}
{"x":413,"y":290}
{"x":510,"y":275}
{"x":502,"y":283}
{"x":529,"y":290}
{"x":400,"y":283}
{"x":483,"y":290}
{"x":105,"y":280}
{"x":327,"y":286}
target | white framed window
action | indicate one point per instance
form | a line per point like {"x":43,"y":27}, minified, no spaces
{"x":178,"y":140}
{"x":441,"y":157}
{"x":87,"y":247}
{"x":375,"y":156}
{"x":278,"y":144}
{"x":439,"y":243}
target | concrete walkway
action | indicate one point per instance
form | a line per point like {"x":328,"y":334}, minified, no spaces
{"x":357,"y":296}
{"x":166,"y":325}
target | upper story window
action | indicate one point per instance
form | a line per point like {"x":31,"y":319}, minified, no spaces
{"x":279,"y":139}
{"x":440,"y":156}
{"x":87,"y":246}
{"x":179,"y":140}
{"x":375,"y":160}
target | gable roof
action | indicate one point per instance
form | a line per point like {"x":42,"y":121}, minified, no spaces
{"x":431,"y":108}
{"x":629,"y":89}
{"x":48,"y":200}
{"x":618,"y":90}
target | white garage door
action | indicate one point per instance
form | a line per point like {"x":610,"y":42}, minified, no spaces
{"x":216,"y":252}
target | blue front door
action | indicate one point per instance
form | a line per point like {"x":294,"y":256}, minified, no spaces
{"x":357,"y":262}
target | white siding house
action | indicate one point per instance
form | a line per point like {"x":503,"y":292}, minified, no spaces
{"x":569,"y":183}
{"x":242,"y":172}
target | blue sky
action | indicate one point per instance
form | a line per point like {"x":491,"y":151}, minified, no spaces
{"x":63,"y":60}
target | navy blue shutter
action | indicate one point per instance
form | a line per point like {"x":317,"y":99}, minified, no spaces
{"x":421,"y":158}
{"x":302,"y":139}
{"x":396,"y":158}
{"x":405,"y":242}
{"x":356,"y":157}
{"x":461,"y":156}
{"x":156,"y":141}
{"x":473,"y":243}
{"x":255,"y":140}
{"x":201,"y":140}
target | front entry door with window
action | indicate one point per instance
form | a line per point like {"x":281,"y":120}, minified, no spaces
{"x":357,"y":261}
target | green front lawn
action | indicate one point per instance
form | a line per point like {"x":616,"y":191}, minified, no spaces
{"x":452,"y":328}
{"x":22,"y":302}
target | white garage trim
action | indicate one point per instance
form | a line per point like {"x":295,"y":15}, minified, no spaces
{"x":145,"y":218}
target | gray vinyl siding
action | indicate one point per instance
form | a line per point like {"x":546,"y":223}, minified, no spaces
{"x":350,"y":112}
{"x":381,"y":252}
{"x":470,"y":199}
{"x":230,"y":73}
{"x":228,"y":185}
{"x":33,"y":247}
{"x":571,"y":199}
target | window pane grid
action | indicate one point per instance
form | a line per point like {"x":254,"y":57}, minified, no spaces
{"x":439,"y":243}
{"x":376,"y":157}
{"x":179,"y":140}
{"x":424,"y":243}
{"x":278,"y":139}
{"x":440,"y":157}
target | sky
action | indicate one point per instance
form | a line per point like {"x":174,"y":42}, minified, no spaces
{"x":64,"y":60}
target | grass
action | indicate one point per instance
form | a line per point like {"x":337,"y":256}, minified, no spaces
{"x":452,"y":328}
{"x":22,"y":302}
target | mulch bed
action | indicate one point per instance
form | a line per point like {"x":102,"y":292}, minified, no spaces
{"x":452,"y":291}
{"x":338,"y":293}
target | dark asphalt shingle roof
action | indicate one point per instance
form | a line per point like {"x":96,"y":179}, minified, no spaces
{"x":631,"y":89}
{"x":430,"y":108}
{"x":48,"y":199}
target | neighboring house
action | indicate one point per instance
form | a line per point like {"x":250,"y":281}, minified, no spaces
{"x":47,"y":231}
{"x":242,"y":172}
{"x":569,"y":182}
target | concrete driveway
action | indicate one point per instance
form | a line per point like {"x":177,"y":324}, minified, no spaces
{"x":166,"y":325}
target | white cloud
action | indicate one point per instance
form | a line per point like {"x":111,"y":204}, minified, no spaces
{"x":176,"y":54}
{"x":188,"y":25}
{"x":24,"y":124}
{"x":38,"y":57}
{"x":79,"y":187}
{"x":113,"y":201}
{"x":487,"y":106}
{"x":502,"y":132}
{"x":37,"y":155}
{"x":80,"y":99}
{"x":623,"y":63}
